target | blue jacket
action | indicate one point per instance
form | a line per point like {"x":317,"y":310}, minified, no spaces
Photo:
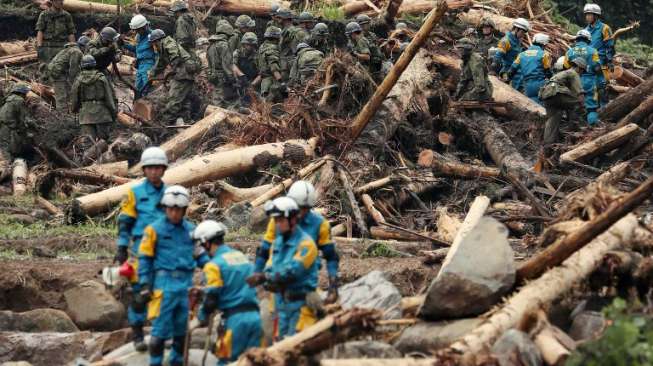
{"x":602,"y":41}
{"x":145,"y":55}
{"x":589,"y":53}
{"x":293,"y":262}
{"x":534,"y":64}
{"x":509,"y":48}
{"x":225,"y":279}
{"x":167,"y":247}
{"x":140,"y":209}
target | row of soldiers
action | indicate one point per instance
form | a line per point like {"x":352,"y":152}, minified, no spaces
{"x":163,"y":247}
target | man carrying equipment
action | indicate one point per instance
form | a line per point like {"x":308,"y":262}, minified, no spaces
{"x":269,"y":66}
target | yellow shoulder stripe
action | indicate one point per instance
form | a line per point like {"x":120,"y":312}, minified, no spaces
{"x":148,"y":243}
{"x":128,"y":206}
{"x":213,"y":275}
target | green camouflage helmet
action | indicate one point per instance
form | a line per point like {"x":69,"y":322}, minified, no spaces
{"x":284,"y":14}
{"x":249,"y":38}
{"x":178,"y":5}
{"x":465,"y":43}
{"x":88,"y":62}
{"x":224,"y":28}
{"x":305,"y":17}
{"x":301,"y":46}
{"x":363,"y":19}
{"x":251,"y":24}
{"x":243,"y":21}
{"x":272,"y":32}
{"x":488,"y":22}
{"x":320,"y":29}
{"x":352,"y":27}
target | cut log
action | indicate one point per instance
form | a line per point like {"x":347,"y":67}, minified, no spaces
{"x":14,"y":48}
{"x":416,"y":7}
{"x":19,"y":177}
{"x":502,"y":150}
{"x":285,"y":184}
{"x":387,"y":233}
{"x":600,"y":145}
{"x":188,"y":138}
{"x":626,"y":102}
{"x":553,"y":352}
{"x":127,"y":120}
{"x":562,"y":249}
{"x":48,"y":206}
{"x":209,"y":167}
{"x":639,"y":114}
{"x":143,"y":109}
{"x":17,"y":59}
{"x":78,"y":6}
{"x":520,"y":106}
{"x":440,"y":166}
{"x":118,"y":168}
{"x":229,"y":194}
{"x":625,"y":77}
{"x":356,"y":211}
{"x":374,"y":213}
{"x":370,"y":108}
{"x":547,"y":288}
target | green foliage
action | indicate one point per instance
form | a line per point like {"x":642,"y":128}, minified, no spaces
{"x":9,"y":229}
{"x":628,"y":341}
{"x":242,"y":234}
{"x":113,"y":2}
{"x":559,"y":18}
{"x":635,"y":48}
{"x":381,"y":250}
{"x":330,"y":12}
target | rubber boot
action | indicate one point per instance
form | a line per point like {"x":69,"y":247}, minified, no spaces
{"x":138,"y":338}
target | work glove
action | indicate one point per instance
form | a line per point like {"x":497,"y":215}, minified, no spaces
{"x":141,"y":299}
{"x":120,"y":42}
{"x":272,"y":282}
{"x":255,"y":279}
{"x":504,"y":77}
{"x":121,"y":255}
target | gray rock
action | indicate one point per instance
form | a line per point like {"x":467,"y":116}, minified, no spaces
{"x":39,"y":320}
{"x":91,"y":306}
{"x":372,"y":291}
{"x":237,"y":216}
{"x":42,"y":349}
{"x":361,"y":349}
{"x":474,"y":276}
{"x":587,"y":325}
{"x":22,"y":219}
{"x":44,"y":252}
{"x":516,"y":348}
{"x":428,"y":336}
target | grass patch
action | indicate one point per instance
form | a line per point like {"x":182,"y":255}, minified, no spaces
{"x":635,"y":48}
{"x":381,"y":250}
{"x":242,"y":234}
{"x":10,"y":229}
{"x":329,"y":12}
{"x":113,"y":2}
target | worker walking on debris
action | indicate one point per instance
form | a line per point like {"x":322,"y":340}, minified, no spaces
{"x":166,"y":261}
{"x":140,"y":209}
{"x":603,"y":42}
{"x":63,"y":70}
{"x":563,"y":92}
{"x":145,"y":55}
{"x":185,"y":26}
{"x":307,"y":61}
{"x":508,"y":48}
{"x":487,"y":39}
{"x":16,"y":131}
{"x":226,"y":291}
{"x":288,"y":42}
{"x":320,"y":38}
{"x":590,"y":77}
{"x":534,"y":65}
{"x":268,"y":61}
{"x":244,"y":23}
{"x":244,"y":65}
{"x":291,"y":271}
{"x":104,"y":49}
{"x":54,"y":29}
{"x":184,"y":69}
{"x":220,"y":71}
{"x":474,"y":83}
{"x":92,"y":97}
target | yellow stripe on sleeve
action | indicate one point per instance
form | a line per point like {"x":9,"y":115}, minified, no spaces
{"x":148,"y":243}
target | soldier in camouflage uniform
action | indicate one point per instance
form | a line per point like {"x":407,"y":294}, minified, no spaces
{"x":474,"y":83}
{"x":305,"y":21}
{"x":275,"y":20}
{"x":63,"y":70}
{"x":184,"y":70}
{"x":243,"y":25}
{"x":376,"y":56}
{"x":357,"y":44}
{"x":288,"y":42}
{"x":15,"y":129}
{"x":269,"y":66}
{"x":245,"y":68}
{"x":54,"y":28}
{"x":306,"y":63}
{"x":185,"y":27}
{"x":104,"y":50}
{"x":320,"y":38}
{"x":92,"y":98}
{"x":487,"y":38}
{"x":220,"y":72}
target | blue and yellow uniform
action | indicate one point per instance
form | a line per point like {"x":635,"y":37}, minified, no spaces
{"x":508,"y":49}
{"x":167,"y":258}
{"x":318,"y":228}
{"x":140,"y":209}
{"x":293,"y":268}
{"x":603,"y":42}
{"x":590,"y":78}
{"x":145,"y":60}
{"x":534,"y":65}
{"x":226,"y":290}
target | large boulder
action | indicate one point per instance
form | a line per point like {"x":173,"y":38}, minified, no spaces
{"x":515,"y":347}
{"x":372,"y":291}
{"x":474,"y":276}
{"x":361,"y":349}
{"x":91,"y":306}
{"x":38,"y":320}
{"x":587,"y":325}
{"x":43,"y":349}
{"x":428,"y":336}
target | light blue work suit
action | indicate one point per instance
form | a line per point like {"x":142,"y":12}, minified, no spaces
{"x":226,"y":288}
{"x":590,"y":78}
{"x":294,"y":267}
{"x":509,"y":48}
{"x":167,"y":258}
{"x":145,"y":60}
{"x":534,"y":65}
{"x":603,"y":42}
{"x":140,"y":209}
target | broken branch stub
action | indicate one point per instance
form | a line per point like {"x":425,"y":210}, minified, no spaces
{"x":441,"y":166}
{"x":356,"y":211}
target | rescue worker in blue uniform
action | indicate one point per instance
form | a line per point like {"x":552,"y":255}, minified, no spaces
{"x":313,"y":224}
{"x":534,"y":65}
{"x":590,"y":77}
{"x":226,"y":291}
{"x":292,"y":270}
{"x":145,"y":55}
{"x":507,"y":50}
{"x":602,"y":41}
{"x":139,"y":209}
{"x":166,"y":260}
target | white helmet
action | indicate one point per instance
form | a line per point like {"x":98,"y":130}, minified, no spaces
{"x":281,"y":207}
{"x":303,"y":193}
{"x":175,"y":196}
{"x":138,"y":21}
{"x":208,"y":231}
{"x":560,"y":64}
{"x":592,"y":9}
{"x":584,"y":33}
{"x":541,"y":38}
{"x":154,"y":156}
{"x":521,"y":23}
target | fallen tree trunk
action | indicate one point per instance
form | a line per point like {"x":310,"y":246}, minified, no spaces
{"x":386,"y":233}
{"x":78,"y":6}
{"x":502,"y":150}
{"x":415,"y":7}
{"x":285,"y":184}
{"x":562,"y":249}
{"x":601,"y":145}
{"x":440,"y":166}
{"x":90,"y":176}
{"x":118,"y":168}
{"x":374,"y":213}
{"x":17,"y":59}
{"x":638,"y":114}
{"x":625,"y":77}
{"x":229,"y":194}
{"x":14,"y":48}
{"x":353,"y":204}
{"x":626,"y":102}
{"x":19,"y":177}
{"x":208,"y":167}
{"x":379,"y":362}
{"x":251,"y":7}
{"x":48,"y":206}
{"x":374,"y":185}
